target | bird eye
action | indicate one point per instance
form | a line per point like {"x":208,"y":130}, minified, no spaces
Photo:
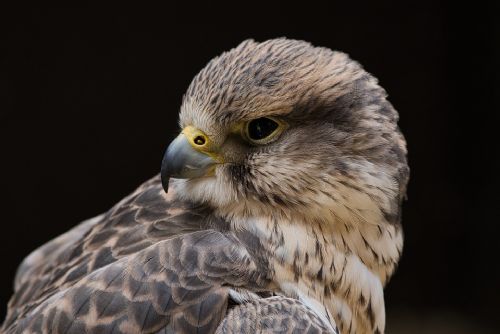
{"x":261,"y":130}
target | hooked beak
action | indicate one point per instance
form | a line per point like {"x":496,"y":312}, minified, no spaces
{"x":190,"y":155}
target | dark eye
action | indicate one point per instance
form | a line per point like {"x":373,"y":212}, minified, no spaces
{"x":261,"y":128}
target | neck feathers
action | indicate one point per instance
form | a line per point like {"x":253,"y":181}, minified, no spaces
{"x":342,"y":267}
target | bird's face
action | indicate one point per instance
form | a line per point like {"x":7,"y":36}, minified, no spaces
{"x":287,"y":127}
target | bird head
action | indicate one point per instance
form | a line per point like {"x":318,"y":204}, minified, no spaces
{"x":285,"y":128}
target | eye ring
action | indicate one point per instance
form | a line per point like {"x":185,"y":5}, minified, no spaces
{"x":263,"y":130}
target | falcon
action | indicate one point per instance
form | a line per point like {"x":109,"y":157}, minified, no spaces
{"x":277,"y":210}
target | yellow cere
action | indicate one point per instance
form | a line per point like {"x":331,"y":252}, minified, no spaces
{"x":201,"y":142}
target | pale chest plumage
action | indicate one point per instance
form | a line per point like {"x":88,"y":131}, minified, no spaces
{"x":326,"y":269}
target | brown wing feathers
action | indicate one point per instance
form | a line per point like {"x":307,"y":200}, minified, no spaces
{"x":178,"y":283}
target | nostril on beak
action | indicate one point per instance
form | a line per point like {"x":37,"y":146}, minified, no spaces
{"x":200,"y":140}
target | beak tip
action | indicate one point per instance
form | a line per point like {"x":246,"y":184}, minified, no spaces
{"x":164,"y":182}
{"x":164,"y":175}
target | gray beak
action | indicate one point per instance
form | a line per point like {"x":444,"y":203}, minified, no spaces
{"x":183,"y":161}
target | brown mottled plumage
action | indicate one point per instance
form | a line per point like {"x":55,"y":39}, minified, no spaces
{"x":297,"y":234}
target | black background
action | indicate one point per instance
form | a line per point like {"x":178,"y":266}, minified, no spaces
{"x":89,"y":100}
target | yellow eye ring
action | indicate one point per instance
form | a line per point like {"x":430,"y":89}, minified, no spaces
{"x":263,"y":130}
